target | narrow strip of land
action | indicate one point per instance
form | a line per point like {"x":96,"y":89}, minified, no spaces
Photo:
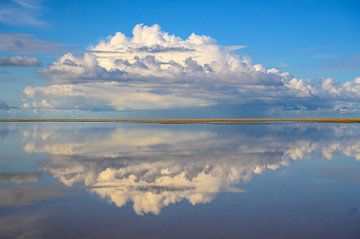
{"x":194,"y":121}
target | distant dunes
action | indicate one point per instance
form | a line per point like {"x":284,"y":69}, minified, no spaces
{"x":195,"y":120}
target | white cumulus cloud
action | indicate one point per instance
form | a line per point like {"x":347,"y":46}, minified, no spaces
{"x":156,"y":70}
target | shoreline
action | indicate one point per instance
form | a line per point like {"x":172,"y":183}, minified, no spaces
{"x":189,"y":120}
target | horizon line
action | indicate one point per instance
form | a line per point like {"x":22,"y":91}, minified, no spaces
{"x":185,"y":120}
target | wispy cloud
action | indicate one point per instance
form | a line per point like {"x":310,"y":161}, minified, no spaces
{"x":336,"y":63}
{"x":32,"y":4}
{"x":22,"y":12}
{"x":28,"y":44}
{"x":3,"y":105}
{"x":19,"y":177}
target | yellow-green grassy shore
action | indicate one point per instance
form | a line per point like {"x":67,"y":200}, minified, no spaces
{"x":193,"y":121}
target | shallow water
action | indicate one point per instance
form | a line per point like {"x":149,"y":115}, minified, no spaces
{"x":118,"y":180}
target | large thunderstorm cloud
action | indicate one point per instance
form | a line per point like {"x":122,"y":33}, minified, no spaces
{"x":156,"y":70}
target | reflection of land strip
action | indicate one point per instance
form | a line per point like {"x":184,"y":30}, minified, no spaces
{"x":196,"y":121}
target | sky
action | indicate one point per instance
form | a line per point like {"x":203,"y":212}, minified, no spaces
{"x":179,"y":58}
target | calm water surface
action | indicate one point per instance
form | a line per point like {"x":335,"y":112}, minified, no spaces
{"x":109,"y":180}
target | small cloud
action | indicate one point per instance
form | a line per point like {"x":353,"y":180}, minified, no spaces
{"x":8,"y":79}
{"x":3,"y":105}
{"x":336,"y":63}
{"x":19,"y":177}
{"x":25,"y":44}
{"x":315,"y":49}
{"x":26,"y":195}
{"x":19,"y":61}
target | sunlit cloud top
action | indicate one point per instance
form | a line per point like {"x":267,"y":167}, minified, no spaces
{"x":157,"y":70}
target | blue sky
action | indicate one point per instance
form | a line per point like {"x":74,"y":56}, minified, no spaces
{"x":312,"y":40}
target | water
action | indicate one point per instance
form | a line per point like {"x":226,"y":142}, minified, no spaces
{"x":117,"y":180}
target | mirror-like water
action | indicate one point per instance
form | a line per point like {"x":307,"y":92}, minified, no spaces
{"x":108,"y":180}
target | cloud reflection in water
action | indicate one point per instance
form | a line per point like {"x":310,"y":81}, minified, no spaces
{"x":156,"y":166}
